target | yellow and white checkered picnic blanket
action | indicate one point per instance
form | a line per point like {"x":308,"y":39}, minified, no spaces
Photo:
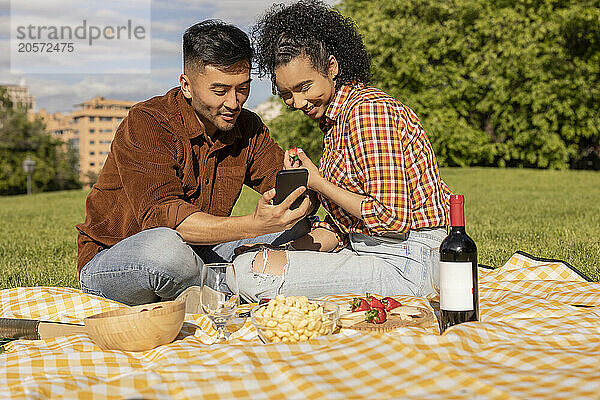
{"x":531,"y":342}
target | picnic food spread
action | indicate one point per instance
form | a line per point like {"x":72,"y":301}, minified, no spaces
{"x":529,"y":343}
{"x":381,"y":315}
{"x":293,"y":319}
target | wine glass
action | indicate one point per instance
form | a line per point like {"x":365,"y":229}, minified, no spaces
{"x":220,"y":296}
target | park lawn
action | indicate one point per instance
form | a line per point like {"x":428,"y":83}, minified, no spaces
{"x":554,"y":214}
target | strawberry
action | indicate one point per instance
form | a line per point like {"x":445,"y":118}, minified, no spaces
{"x":358,"y":304}
{"x":390,"y":303}
{"x":374,"y":301}
{"x":376,"y":315}
{"x":294,"y":155}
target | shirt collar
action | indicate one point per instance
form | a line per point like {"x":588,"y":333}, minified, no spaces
{"x":336,"y":105}
{"x":192,"y":127}
{"x":230,"y":136}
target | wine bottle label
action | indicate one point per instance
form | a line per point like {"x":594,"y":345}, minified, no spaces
{"x":456,"y":286}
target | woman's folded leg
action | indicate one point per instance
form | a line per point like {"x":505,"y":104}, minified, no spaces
{"x":316,"y":274}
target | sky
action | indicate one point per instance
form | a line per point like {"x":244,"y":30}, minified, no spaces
{"x":169,"y":19}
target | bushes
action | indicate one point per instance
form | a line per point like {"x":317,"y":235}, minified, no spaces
{"x":496,"y":83}
{"x":502,"y":83}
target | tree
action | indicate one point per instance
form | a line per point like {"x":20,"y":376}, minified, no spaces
{"x":20,"y":137}
{"x":504,"y":83}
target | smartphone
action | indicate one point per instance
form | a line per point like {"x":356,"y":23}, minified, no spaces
{"x":286,"y":182}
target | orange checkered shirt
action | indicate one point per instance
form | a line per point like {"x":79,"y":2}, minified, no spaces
{"x":376,"y":147}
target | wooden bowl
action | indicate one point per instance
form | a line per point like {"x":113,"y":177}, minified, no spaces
{"x":138,"y":328}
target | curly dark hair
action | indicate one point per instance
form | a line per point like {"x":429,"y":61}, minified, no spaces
{"x":310,"y":28}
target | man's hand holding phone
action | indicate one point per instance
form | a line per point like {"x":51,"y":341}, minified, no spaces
{"x":276,"y":218}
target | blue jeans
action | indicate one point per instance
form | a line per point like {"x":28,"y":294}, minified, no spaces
{"x":157,"y":263}
{"x":401,"y":265}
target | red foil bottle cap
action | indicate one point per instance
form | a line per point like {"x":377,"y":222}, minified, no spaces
{"x":457,"y":210}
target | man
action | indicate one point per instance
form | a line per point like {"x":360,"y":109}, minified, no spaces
{"x":161,"y":207}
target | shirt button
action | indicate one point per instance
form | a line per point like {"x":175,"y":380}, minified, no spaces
{"x":207,"y":181}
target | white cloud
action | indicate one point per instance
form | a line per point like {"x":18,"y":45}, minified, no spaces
{"x":162,"y":47}
{"x":71,"y":13}
{"x":170,"y":18}
{"x":55,"y":95}
{"x":170,"y":73}
{"x":183,"y":4}
{"x":238,"y":12}
{"x":111,"y":53}
{"x":102,"y":56}
{"x":78,"y":10}
{"x":41,"y":6}
{"x":171,"y":26}
{"x":4,"y":25}
{"x":4,"y":52}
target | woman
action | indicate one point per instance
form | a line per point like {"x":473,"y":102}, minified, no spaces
{"x":378,"y":177}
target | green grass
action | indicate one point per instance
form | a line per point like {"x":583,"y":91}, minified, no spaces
{"x":553,"y":214}
{"x":38,"y":239}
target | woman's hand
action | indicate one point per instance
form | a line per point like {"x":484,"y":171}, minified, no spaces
{"x":269,"y":218}
{"x":302,"y":161}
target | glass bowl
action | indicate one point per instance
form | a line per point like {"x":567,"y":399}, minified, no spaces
{"x":286,"y":329}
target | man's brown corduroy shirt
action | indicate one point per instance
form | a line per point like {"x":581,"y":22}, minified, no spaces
{"x":162,"y":167}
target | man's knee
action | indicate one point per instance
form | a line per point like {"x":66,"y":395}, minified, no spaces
{"x":162,"y":250}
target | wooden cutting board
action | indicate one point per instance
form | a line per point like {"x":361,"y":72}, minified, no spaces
{"x":424,"y":319}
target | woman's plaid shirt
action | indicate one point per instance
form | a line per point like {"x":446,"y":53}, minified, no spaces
{"x":375,"y":146}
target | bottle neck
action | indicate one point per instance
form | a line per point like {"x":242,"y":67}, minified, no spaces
{"x":457,"y":212}
{"x":457,"y":229}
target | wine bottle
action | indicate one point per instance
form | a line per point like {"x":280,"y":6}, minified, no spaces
{"x":459,"y":296}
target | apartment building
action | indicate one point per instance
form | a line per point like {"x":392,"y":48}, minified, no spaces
{"x":89,"y":129}
{"x":19,"y":95}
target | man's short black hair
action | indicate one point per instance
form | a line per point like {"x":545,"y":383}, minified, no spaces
{"x":213,"y":42}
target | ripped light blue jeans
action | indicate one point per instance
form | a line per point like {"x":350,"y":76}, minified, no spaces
{"x":384,"y":265}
